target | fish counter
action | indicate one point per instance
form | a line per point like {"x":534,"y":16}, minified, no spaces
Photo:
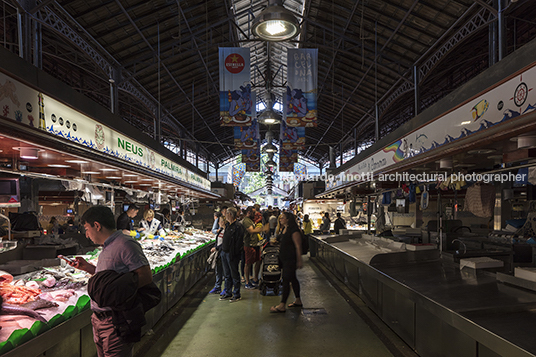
{"x":47,"y":310}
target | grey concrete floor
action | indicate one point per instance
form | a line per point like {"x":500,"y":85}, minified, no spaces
{"x":201,"y":325}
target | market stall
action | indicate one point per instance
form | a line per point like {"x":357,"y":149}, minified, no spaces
{"x":56,"y":161}
{"x":41,"y":300}
{"x":352,"y":212}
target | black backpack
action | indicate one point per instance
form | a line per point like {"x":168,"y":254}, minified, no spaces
{"x":238,"y":239}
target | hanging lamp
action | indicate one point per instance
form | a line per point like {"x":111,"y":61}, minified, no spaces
{"x":269,"y":116}
{"x":275,"y":23}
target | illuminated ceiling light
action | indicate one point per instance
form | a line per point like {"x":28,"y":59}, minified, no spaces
{"x":108,"y":169}
{"x":445,"y":164}
{"x":268,"y":116}
{"x":527,"y":141}
{"x":269,"y":148}
{"x":60,"y":166}
{"x":29,"y":153}
{"x":275,"y":23}
{"x":91,"y":172}
{"x":114,"y":177}
{"x":147,"y":179}
{"x":130,"y":175}
{"x":77,"y":162}
{"x":130,"y":181}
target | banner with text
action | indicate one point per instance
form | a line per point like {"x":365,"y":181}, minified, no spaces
{"x":67,"y":123}
{"x":26,"y":105}
{"x":236,"y":103}
{"x":300,"y":101}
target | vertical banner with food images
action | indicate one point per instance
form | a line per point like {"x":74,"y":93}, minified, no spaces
{"x":236,"y":103}
{"x":300,"y":171}
{"x":287,"y":158}
{"x":252,"y":159}
{"x":292,"y":138}
{"x":302,"y":82}
{"x":247,"y":137}
{"x":239,"y":170}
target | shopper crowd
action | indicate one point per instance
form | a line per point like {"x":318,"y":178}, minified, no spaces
{"x":241,"y":236}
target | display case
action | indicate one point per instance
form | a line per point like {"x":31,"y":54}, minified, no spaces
{"x":71,"y":327}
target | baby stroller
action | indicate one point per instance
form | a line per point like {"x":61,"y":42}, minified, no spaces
{"x":271,"y":271}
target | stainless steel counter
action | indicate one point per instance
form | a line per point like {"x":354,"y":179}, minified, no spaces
{"x":477,"y":295}
{"x":436,"y":308}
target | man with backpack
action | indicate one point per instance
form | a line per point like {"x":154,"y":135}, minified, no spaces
{"x":232,"y":247}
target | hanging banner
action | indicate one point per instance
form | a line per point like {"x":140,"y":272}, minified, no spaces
{"x":300,"y":170}
{"x":292,"y":138}
{"x":247,"y":137}
{"x":252,"y":159}
{"x":287,"y":158}
{"x":239,"y":171}
{"x":236,"y":103}
{"x":300,"y":101}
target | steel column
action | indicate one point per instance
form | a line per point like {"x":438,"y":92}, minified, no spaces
{"x":416,"y":90}
{"x":493,"y":39}
{"x":37,"y":44}
{"x":355,"y":142}
{"x":501,"y":24}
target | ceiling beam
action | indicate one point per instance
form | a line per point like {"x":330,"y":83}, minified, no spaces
{"x":368,"y":70}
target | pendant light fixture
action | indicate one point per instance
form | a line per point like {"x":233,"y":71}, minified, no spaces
{"x":275,"y":23}
{"x":269,"y":147}
{"x":269,"y":116}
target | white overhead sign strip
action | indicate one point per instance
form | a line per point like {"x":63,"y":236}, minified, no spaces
{"x":513,"y":98}
{"x":28,"y":106}
{"x":64,"y":121}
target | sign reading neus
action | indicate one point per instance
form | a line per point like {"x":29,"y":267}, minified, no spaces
{"x":130,"y":147}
